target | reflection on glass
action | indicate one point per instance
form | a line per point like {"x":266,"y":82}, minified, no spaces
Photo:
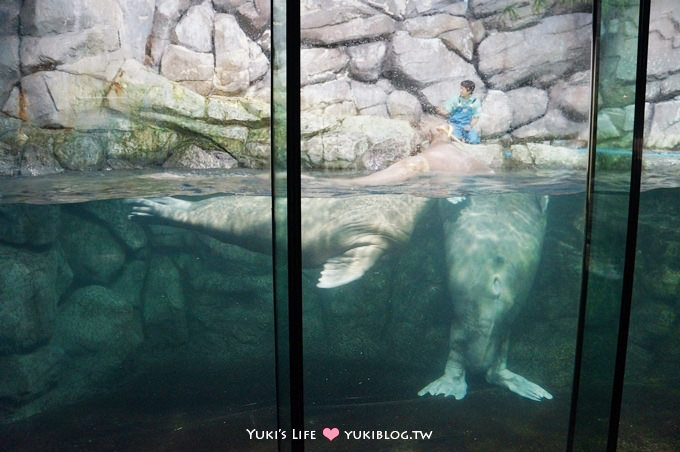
{"x":650,"y":400}
{"x":483,"y":287}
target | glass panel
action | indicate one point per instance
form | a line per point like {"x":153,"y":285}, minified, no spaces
{"x":129,"y":321}
{"x":607,"y":223}
{"x":424,"y":277}
{"x":650,"y":398}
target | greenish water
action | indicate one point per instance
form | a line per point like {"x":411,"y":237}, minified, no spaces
{"x":123,"y":334}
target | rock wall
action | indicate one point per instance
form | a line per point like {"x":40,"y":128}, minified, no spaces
{"x":109,"y":84}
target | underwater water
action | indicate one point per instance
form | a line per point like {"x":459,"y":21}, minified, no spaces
{"x":157,"y":332}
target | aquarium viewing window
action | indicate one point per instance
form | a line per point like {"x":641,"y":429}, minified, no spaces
{"x":352,"y":225}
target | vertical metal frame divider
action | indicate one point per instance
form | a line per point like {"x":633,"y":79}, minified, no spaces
{"x":286,"y":219}
{"x":632,"y":222}
{"x":633,"y":213}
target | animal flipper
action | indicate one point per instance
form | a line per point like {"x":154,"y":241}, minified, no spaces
{"x":349,"y":266}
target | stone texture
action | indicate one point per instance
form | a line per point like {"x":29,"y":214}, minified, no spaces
{"x":114,"y":213}
{"x":553,"y":125}
{"x":194,"y":157}
{"x":324,"y":104}
{"x":80,"y":152}
{"x":318,"y":65}
{"x":362,"y":28}
{"x":92,"y":252}
{"x":137,"y":88}
{"x":38,"y":160}
{"x":94,"y":320}
{"x":496,"y":116}
{"x":573,"y":95}
{"x":538,"y":155}
{"x":527,"y":104}
{"x":29,"y":290}
{"x":9,"y":17}
{"x":413,"y":59}
{"x":26,"y":377}
{"x":360,"y":141}
{"x":255,"y":14}
{"x":194,"y":31}
{"x":434,"y":25}
{"x":45,"y":17}
{"x":424,"y":7}
{"x":181,"y":65}
{"x":366,"y":60}
{"x":404,"y":105}
{"x":369,"y":98}
{"x":665,"y":127}
{"x":9,"y":65}
{"x":165,"y":19}
{"x":136,"y":26}
{"x":164,"y":308}
{"x":538,"y":55}
{"x":238,"y":60}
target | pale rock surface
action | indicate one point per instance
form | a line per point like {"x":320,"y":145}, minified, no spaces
{"x":366,"y":60}
{"x":318,"y":65}
{"x":194,"y":30}
{"x":539,"y":55}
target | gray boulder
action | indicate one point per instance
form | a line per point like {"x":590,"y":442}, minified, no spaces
{"x":427,"y":61}
{"x":238,"y":60}
{"x":27,"y":377}
{"x":192,"y":69}
{"x":324,"y":104}
{"x":80,"y":152}
{"x":361,"y":142}
{"x":573,"y":95}
{"x":665,"y":127}
{"x":194,"y":157}
{"x":9,"y":17}
{"x":528,"y":104}
{"x":90,"y":249}
{"x":95,"y":320}
{"x":165,"y":19}
{"x":136,"y":26}
{"x":366,"y":60}
{"x":538,"y":55}
{"x":194,"y":30}
{"x":37,"y":160}
{"x":369,"y":99}
{"x":362,"y":28}
{"x":9,"y":65}
{"x":30,"y":288}
{"x":24,"y":224}
{"x":404,"y":105}
{"x":318,"y":65}
{"x":497,"y":114}
{"x":164,"y":309}
{"x":554,"y":125}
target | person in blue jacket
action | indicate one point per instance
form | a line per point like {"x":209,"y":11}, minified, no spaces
{"x":463,"y":113}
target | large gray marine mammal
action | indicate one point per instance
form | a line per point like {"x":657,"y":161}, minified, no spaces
{"x":344,"y":235}
{"x":441,"y":156}
{"x":493,"y":246}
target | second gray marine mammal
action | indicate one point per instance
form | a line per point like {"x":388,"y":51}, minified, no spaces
{"x":493,"y":245}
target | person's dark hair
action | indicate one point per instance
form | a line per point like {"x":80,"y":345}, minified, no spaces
{"x":468,"y":85}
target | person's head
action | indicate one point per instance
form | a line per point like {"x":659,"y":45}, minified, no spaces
{"x":467,"y":87}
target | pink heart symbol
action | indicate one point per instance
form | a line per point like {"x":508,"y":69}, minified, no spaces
{"x":331,"y":433}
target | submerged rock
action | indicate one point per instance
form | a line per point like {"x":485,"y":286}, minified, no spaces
{"x":91,"y":250}
{"x":29,"y":290}
{"x":94,"y":319}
